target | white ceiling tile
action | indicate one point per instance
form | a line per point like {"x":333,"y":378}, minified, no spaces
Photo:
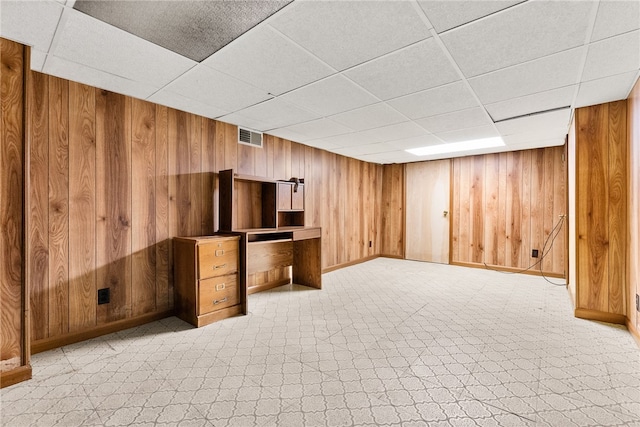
{"x":332,"y":95}
{"x":287,"y":133}
{"x":469,"y":134}
{"x":88,"y":41}
{"x":440,"y":100}
{"x":246,"y":122}
{"x":318,"y":129}
{"x":397,"y":131}
{"x":535,"y":140}
{"x":322,"y":144}
{"x":462,"y":119}
{"x":558,"y":119}
{"x":349,"y":139}
{"x":362,"y":149}
{"x":445,"y":15}
{"x":528,"y":31}
{"x":369,"y":117}
{"x":612,"y":88}
{"x":265,"y":59}
{"x":616,"y":17}
{"x":79,"y":73}
{"x":537,"y":143}
{"x":540,"y":75}
{"x":179,"y":102}
{"x":345,"y":33}
{"x":542,"y":101}
{"x":31,"y":23}
{"x":413,"y":142}
{"x":418,"y":67}
{"x":212,"y":87}
{"x":612,"y":56}
{"x":276,"y":113}
{"x":37,"y":59}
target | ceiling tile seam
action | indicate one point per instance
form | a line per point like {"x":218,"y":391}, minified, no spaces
{"x":583,"y":61}
{"x":46,"y":57}
{"x":455,"y":65}
{"x":535,"y":113}
{"x":483,"y":17}
{"x":613,"y":36}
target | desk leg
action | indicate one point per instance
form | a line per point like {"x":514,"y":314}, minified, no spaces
{"x":307,"y":263}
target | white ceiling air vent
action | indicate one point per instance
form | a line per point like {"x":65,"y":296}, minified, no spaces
{"x":249,"y":137}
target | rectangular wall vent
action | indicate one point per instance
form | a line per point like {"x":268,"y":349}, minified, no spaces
{"x":249,"y":137}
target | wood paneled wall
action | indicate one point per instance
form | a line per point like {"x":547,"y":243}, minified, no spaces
{"x":393,"y":216}
{"x":14,"y":345}
{"x":601,"y":211}
{"x":634,"y":207}
{"x":504,"y":205}
{"x":115,"y":178}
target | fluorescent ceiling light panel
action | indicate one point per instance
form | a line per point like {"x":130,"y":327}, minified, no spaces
{"x":475,"y":144}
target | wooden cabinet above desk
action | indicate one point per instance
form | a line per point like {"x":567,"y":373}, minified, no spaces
{"x":269,"y":215}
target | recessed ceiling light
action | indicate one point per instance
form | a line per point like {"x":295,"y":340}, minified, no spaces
{"x":475,"y":144}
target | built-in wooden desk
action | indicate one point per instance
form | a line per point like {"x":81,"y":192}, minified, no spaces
{"x":273,"y":257}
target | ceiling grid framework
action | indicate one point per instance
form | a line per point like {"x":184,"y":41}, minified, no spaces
{"x":366,"y":79}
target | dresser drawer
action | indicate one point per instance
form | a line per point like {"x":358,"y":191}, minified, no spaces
{"x":217,"y":293}
{"x":217,"y":258}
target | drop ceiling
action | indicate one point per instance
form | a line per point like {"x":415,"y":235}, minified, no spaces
{"x":366,"y":79}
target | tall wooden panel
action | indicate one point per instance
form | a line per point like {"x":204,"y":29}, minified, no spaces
{"x":14,"y":344}
{"x":601,"y":213}
{"x":633,"y":255}
{"x":392,"y":226}
{"x":82,"y":207}
{"x":427,"y":211}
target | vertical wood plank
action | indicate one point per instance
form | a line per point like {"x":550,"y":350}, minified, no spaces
{"x":491,"y":210}
{"x":59,"y":186}
{"x":464,"y":238}
{"x":143,"y":207}
{"x":502,"y":210}
{"x":537,"y":197}
{"x":549,"y":217}
{"x":113,"y":203}
{"x":477,"y":210}
{"x":11,"y":200}
{"x":592,"y":156}
{"x":208,"y":169}
{"x":38,"y":210}
{"x":617,"y":215}
{"x":164,"y":258}
{"x":194,"y":138}
{"x":455,"y":214}
{"x":82,"y":207}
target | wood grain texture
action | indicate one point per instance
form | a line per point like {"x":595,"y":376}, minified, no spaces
{"x":143,"y":207}
{"x":633,"y":172}
{"x":12,"y":156}
{"x":392,"y":225}
{"x":38,"y":213}
{"x":592,"y":207}
{"x":500,"y":212}
{"x":427,"y":189}
{"x":164,"y":280}
{"x":82,"y":207}
{"x":58,"y":284}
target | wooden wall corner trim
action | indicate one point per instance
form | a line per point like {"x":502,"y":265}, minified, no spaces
{"x":600,"y":316}
{"x":633,"y":331}
{"x":15,"y":376}
{"x":571,"y":296}
{"x":74,"y":337}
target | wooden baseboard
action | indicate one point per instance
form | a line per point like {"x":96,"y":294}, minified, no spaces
{"x":72,"y":338}
{"x":633,"y":331}
{"x":15,"y":376}
{"x":600,"y":316}
{"x":531,"y":272}
{"x":267,"y":286}
{"x":349,"y":264}
{"x":219,"y":315}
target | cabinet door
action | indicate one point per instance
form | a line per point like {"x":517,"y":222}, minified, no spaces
{"x":427,"y":215}
{"x":297,"y":199}
{"x":284,"y":196}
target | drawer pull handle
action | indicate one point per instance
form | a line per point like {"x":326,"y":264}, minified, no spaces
{"x":219,"y":301}
{"x":220,"y":252}
{"x":216,"y":267}
{"x":220,"y":286}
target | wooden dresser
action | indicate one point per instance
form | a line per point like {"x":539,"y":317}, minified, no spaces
{"x":207,"y":284}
